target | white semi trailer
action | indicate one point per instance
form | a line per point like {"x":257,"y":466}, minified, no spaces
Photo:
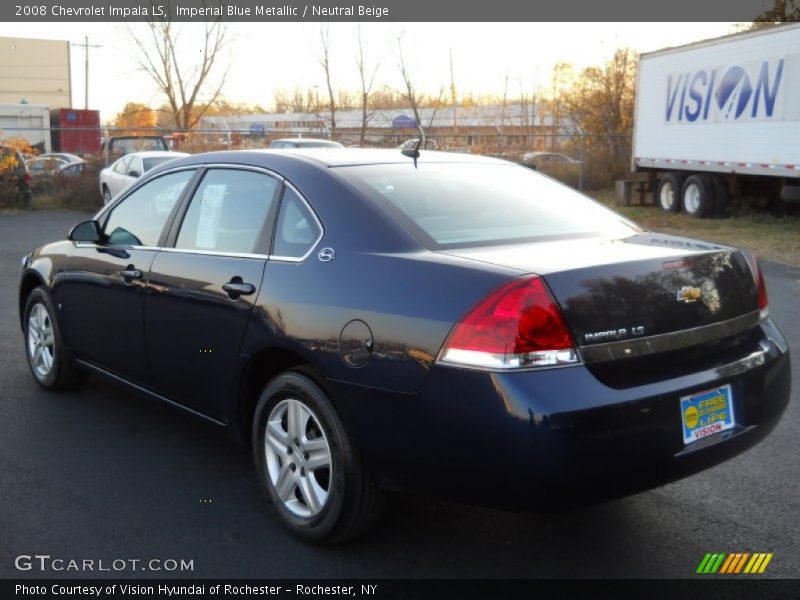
{"x":30,"y":122}
{"x":720,"y":119}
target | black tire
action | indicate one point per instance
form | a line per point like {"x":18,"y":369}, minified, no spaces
{"x":106,"y":195}
{"x":64,"y":374}
{"x":668,"y":192}
{"x":353,"y":502}
{"x":721,"y":197}
{"x":698,"y":196}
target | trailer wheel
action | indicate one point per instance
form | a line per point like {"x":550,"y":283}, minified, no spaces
{"x":668,"y":192}
{"x":721,"y":196}
{"x":698,"y":196}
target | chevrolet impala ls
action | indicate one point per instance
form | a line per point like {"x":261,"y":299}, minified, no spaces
{"x":378,"y":320}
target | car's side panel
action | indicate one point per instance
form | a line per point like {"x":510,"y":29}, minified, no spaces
{"x":101,"y":309}
{"x":409,"y":302}
{"x":194,"y":328}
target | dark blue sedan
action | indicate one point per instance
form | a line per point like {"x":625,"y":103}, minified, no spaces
{"x":441,"y":324}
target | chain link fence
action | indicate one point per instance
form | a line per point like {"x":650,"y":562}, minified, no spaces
{"x":585,"y":162}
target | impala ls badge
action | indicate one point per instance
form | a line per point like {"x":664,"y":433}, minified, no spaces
{"x":613,"y":334}
{"x":326,"y":254}
{"x":688,"y":294}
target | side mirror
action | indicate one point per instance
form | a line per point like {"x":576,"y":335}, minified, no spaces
{"x":88,"y":231}
{"x":133,"y":173}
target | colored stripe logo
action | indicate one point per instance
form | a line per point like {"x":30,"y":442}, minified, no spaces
{"x":734,"y":563}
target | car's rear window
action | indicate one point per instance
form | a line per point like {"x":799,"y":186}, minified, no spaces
{"x":467,"y":204}
{"x":149,"y":163}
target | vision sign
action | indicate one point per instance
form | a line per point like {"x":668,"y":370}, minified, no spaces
{"x":751,"y":91}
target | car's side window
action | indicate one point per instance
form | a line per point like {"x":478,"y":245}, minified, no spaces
{"x":135,"y":164}
{"x":121,"y":164}
{"x":297,"y":230}
{"x":140,"y":218}
{"x":228,"y":212}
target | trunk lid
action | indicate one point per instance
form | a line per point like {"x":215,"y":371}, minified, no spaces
{"x":645,"y":285}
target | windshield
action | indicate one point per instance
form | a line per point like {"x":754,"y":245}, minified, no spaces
{"x":470,"y":204}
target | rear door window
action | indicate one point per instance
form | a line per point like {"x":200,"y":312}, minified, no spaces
{"x":230,"y":212}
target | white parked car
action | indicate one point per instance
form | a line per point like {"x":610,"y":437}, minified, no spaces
{"x":121,"y":173}
{"x":303,"y":143}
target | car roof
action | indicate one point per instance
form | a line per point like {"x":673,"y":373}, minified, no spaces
{"x":295,"y":140}
{"x":156,"y":154}
{"x":342,"y":157}
{"x":287,"y":161}
{"x":62,"y":155}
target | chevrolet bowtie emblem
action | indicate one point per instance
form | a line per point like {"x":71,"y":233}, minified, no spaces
{"x":688,"y":294}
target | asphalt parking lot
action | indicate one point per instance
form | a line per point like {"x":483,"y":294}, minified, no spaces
{"x":99,"y":473}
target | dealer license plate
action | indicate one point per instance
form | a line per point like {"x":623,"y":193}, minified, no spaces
{"x":706,"y":413}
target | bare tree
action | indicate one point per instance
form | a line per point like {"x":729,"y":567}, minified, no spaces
{"x":434,"y":104}
{"x":560,"y":76}
{"x":367,"y":76}
{"x":182,"y":82}
{"x":600,"y":101}
{"x":410,"y":93}
{"x":325,"y":61}
{"x":453,"y":94}
{"x":296,"y":100}
{"x":782,"y":11}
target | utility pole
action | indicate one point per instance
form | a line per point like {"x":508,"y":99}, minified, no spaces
{"x":86,"y":45}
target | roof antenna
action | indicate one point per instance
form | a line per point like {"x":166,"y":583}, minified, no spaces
{"x":415,"y":152}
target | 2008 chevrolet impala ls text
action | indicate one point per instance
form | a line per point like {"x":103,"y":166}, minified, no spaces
{"x":437,"y":323}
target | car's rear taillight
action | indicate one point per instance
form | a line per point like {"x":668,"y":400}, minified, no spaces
{"x":517,"y":326}
{"x":758,"y":280}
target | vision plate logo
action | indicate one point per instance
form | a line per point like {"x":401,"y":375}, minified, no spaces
{"x":751,"y":91}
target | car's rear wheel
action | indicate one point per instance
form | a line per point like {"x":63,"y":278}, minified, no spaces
{"x":50,"y":361}
{"x":307,"y":465}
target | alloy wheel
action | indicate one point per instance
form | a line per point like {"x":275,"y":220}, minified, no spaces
{"x":298,"y":457}
{"x":41,"y":340}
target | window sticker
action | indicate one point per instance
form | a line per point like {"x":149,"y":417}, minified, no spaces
{"x":210,"y":209}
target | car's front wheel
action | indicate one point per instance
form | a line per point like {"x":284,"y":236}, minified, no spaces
{"x":307,"y":465}
{"x":106,"y":195}
{"x":50,"y":361}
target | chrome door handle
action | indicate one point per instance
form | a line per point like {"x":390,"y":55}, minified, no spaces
{"x":131,"y":273}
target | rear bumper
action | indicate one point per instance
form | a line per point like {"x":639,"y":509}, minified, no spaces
{"x":539,"y":439}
